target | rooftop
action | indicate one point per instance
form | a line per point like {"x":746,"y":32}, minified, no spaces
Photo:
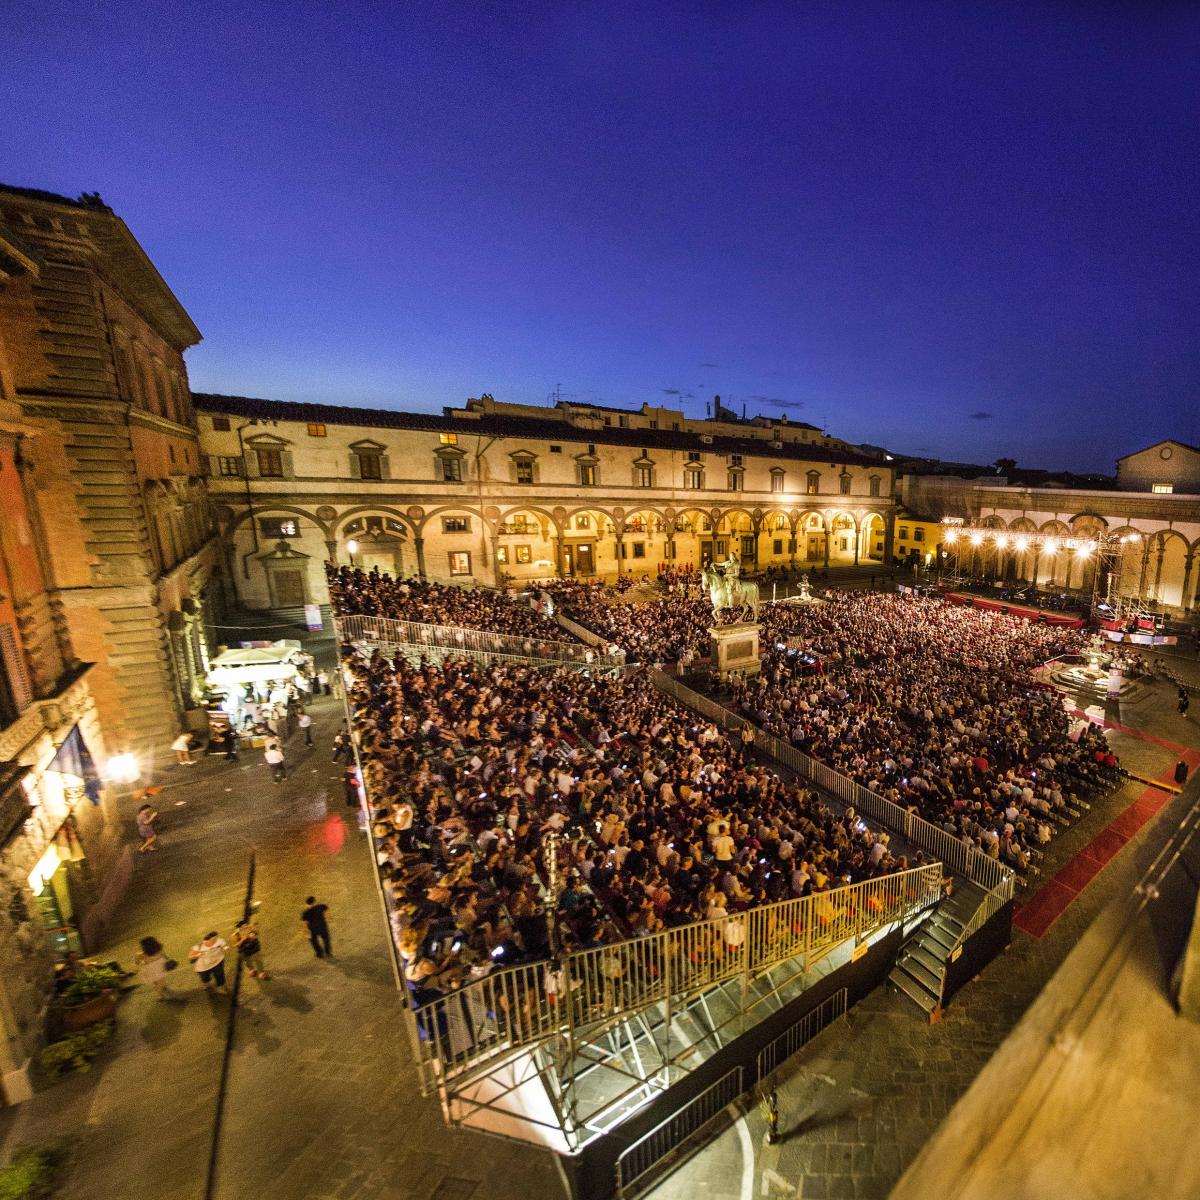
{"x":552,"y":427}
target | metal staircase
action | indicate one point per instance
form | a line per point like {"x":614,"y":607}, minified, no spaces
{"x":920,"y":970}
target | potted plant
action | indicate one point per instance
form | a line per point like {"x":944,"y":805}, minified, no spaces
{"x":74,"y":1052}
{"x":91,"y":997}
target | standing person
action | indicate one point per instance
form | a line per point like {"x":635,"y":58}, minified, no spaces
{"x":323,"y":681}
{"x":182,"y":746}
{"x":318,"y":926}
{"x":1184,"y":701}
{"x":304,"y":721}
{"x":146,"y":816}
{"x":207,"y":957}
{"x":231,"y":745}
{"x":249,"y":948}
{"x":274,"y":759}
{"x":153,"y":965}
{"x":343,"y":748}
{"x":350,"y":783}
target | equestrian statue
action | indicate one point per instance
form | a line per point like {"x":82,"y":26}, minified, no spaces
{"x":729,"y":592}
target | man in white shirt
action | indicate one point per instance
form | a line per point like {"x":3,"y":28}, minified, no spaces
{"x":304,"y":721}
{"x":207,"y":957}
{"x":274,"y":759}
{"x":723,"y":846}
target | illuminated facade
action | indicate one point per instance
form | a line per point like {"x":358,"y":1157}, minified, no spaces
{"x":493,"y":493}
{"x":1157,"y":533}
{"x":92,"y":373}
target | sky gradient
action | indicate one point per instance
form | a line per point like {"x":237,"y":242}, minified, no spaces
{"x":962,"y":230}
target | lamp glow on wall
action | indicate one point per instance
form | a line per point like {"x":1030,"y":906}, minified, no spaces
{"x":123,"y":768}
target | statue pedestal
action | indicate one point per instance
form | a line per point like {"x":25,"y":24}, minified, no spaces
{"x":735,"y":647}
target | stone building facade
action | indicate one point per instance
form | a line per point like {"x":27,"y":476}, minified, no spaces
{"x":106,"y":565}
{"x":91,"y":356}
{"x":1158,"y":534}
{"x":493,"y":493}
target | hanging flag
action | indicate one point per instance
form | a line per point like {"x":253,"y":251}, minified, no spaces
{"x":75,"y":759}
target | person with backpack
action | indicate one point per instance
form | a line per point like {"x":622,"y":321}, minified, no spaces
{"x":249,"y":947}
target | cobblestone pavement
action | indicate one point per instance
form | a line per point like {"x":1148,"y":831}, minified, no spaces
{"x":858,"y":1103}
{"x":322,"y":1098}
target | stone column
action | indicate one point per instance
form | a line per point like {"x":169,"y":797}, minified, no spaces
{"x":558,"y":555}
{"x":331,"y":550}
{"x":1185,"y":599}
{"x":857,"y":540}
{"x":1145,"y":566}
{"x":828,"y":539}
{"x":419,"y":546}
{"x":793,"y":545}
{"x":889,"y":539}
{"x":1162,"y":553}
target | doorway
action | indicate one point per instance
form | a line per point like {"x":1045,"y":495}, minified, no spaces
{"x":584,"y":560}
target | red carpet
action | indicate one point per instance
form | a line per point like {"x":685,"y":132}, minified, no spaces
{"x":1056,"y":895}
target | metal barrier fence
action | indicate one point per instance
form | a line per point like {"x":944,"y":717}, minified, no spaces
{"x":641,"y":1157}
{"x":780,"y":1049}
{"x":956,"y":855}
{"x":491,"y":1017}
{"x":477,"y":644}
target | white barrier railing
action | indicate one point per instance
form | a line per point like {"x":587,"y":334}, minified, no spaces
{"x":472,"y":643}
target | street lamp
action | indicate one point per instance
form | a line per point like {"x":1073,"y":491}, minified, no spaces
{"x":352,"y":550}
{"x":123,"y":768}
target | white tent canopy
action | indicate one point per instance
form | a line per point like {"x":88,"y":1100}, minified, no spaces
{"x":258,"y":664}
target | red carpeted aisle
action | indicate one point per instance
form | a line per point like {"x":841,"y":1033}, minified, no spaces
{"x":1051,"y":900}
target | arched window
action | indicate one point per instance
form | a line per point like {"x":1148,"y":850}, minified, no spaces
{"x":845,"y":482}
{"x":814,"y":482}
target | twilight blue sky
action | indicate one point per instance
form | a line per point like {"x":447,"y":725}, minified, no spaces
{"x":966,"y":229}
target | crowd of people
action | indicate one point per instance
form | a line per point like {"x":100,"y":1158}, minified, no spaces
{"x":656,"y":818}
{"x":493,"y":783}
{"x":369,"y":593}
{"x":649,"y":631}
{"x":935,"y":708}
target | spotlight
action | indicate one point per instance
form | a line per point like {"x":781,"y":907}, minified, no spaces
{"x":1022,"y":544}
{"x":976,"y":539}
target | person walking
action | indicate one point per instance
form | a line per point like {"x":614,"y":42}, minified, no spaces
{"x":1184,"y":701}
{"x":249,"y":948}
{"x":146,"y":816}
{"x":350,"y":784}
{"x":304,"y":722}
{"x":153,"y":965}
{"x":343,"y":748}
{"x":182,"y":746}
{"x":207,"y":957}
{"x":231,"y":745}
{"x":323,"y":681}
{"x":317,"y":924}
{"x":273,"y":755}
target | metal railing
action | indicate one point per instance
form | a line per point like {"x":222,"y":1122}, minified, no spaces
{"x":637,"y":1160}
{"x":478,"y":644}
{"x":987,"y":908}
{"x":524,"y":1005}
{"x":958,"y":857}
{"x":780,"y":1049}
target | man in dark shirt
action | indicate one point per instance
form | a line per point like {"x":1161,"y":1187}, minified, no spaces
{"x":318,"y":927}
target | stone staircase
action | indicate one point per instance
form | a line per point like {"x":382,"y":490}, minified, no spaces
{"x":921,"y":966}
